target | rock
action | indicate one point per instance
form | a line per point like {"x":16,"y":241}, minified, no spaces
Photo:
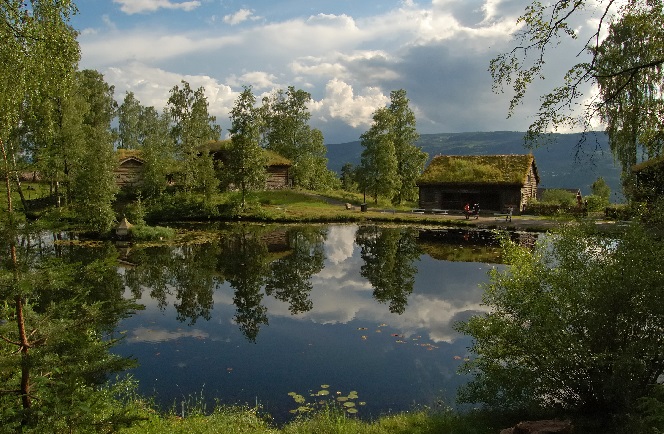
{"x":540,"y":427}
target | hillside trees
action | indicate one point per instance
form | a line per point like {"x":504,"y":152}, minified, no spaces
{"x":193,"y":127}
{"x":390,"y":162}
{"x":288,"y":133}
{"x":626,"y":66}
{"x":246,"y":163}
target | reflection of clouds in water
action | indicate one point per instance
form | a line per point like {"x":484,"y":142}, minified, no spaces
{"x":340,"y":243}
{"x":144,"y":334}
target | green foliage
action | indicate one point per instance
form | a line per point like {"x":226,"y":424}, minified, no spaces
{"x":629,"y":76}
{"x":324,"y":400}
{"x":626,"y":66}
{"x":559,"y":197}
{"x":390,"y":162}
{"x":648,"y":415}
{"x":573,"y":324}
{"x":288,"y":133}
{"x":620,"y":212}
{"x":193,"y":127}
{"x":151,"y":233}
{"x":601,"y":189}
{"x":157,"y":151}
{"x":245,"y":168}
{"x":410,"y":159}
{"x":378,"y":174}
{"x":64,"y":361}
{"x":93,"y":180}
{"x":179,"y":206}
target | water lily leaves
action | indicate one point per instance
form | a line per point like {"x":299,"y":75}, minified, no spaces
{"x":349,"y":404}
{"x":297,"y":397}
{"x":342,"y":398}
{"x":323,"y":392}
{"x":351,"y":410}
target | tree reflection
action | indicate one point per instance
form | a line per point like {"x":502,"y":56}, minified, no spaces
{"x":290,"y":277}
{"x":254,"y":260}
{"x":243,"y":261}
{"x":389,"y":254}
{"x":188,"y":272}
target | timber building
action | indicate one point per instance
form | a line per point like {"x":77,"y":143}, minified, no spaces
{"x":495,"y":182}
{"x":129,"y":171}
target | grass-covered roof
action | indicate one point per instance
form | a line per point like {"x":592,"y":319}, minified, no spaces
{"x":273,"y":159}
{"x":656,"y":163}
{"x":124,"y":154}
{"x":477,"y":169}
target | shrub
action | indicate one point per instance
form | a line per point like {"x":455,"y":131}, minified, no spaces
{"x":574,"y":325}
{"x":151,"y":233}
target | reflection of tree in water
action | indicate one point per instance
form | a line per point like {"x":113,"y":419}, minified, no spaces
{"x":244,"y":264}
{"x":290,"y":277}
{"x":249,"y":258}
{"x":389,"y":254}
{"x":188,"y":272}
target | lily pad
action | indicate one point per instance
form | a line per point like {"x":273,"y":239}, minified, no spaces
{"x":349,"y":404}
{"x":351,"y":410}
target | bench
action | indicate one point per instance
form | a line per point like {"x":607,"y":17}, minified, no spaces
{"x":440,"y":211}
{"x":418,"y":211}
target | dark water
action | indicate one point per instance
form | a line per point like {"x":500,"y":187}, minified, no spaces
{"x":257,"y":312}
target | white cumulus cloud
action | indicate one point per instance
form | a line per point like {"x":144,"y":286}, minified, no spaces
{"x":239,"y":17}
{"x":139,"y":6}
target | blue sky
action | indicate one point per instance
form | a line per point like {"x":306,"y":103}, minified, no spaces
{"x":349,"y":54}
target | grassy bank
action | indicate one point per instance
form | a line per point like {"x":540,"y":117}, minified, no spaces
{"x":241,"y":420}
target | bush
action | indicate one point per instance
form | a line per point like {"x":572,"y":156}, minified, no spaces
{"x":151,"y":233}
{"x":180,"y":206}
{"x":560,"y":197}
{"x":574,"y":325}
{"x":620,"y":212}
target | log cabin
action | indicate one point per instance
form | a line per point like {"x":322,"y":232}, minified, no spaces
{"x":495,"y":182}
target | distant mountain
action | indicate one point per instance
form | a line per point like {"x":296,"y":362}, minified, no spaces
{"x":568,"y":161}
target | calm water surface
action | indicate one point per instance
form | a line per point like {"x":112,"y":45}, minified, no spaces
{"x":257,"y":312}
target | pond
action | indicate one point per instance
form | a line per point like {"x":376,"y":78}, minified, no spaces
{"x":268,"y":315}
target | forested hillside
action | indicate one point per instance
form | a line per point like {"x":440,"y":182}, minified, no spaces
{"x":569,"y":161}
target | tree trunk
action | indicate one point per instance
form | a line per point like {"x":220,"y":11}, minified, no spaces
{"x":18,"y":301}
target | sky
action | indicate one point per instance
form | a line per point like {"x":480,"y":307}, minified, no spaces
{"x":348,"y":54}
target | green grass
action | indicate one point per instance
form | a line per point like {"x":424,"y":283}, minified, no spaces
{"x":245,"y":420}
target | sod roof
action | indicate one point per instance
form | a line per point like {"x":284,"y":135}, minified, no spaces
{"x":124,"y":154}
{"x":478,"y":169}
{"x":656,"y":163}
{"x":273,"y":159}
